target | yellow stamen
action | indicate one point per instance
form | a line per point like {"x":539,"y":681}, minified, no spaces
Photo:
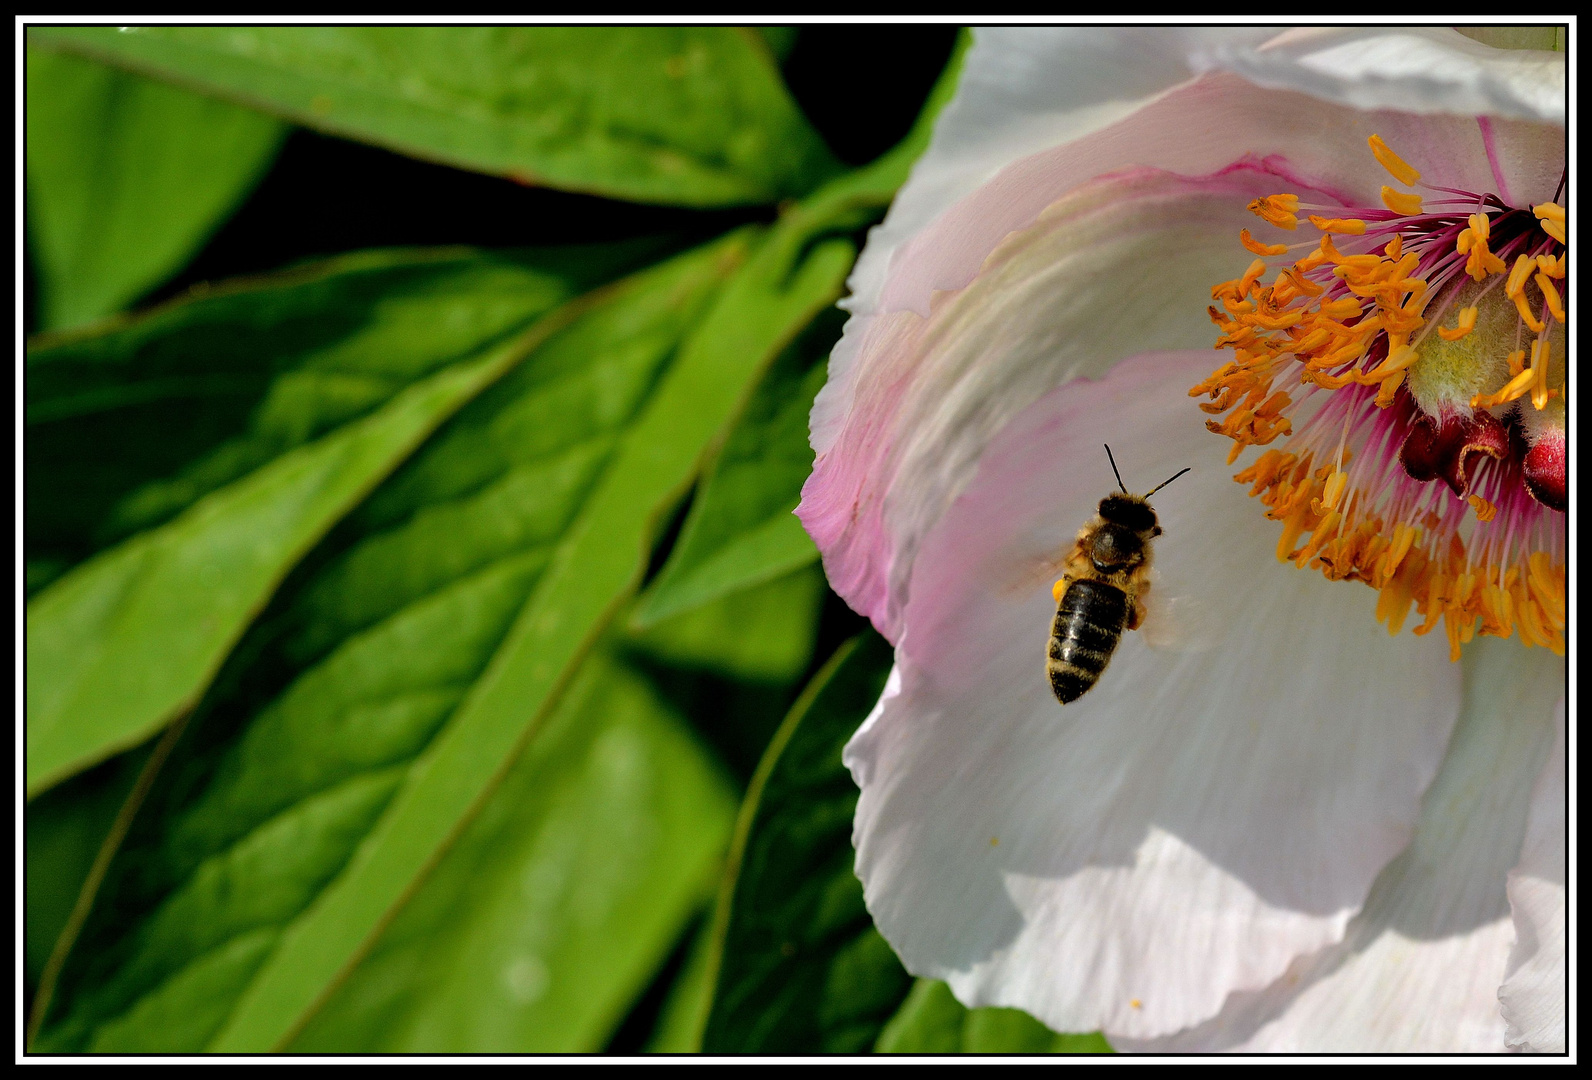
{"x":1347,"y":226}
{"x":1256,"y":247}
{"x":1516,"y":282}
{"x":1552,"y":217}
{"x":1403,"y":538}
{"x":1514,"y":388}
{"x":1474,"y":240}
{"x":1334,"y":489}
{"x":1278,"y":210}
{"x":1539,"y":373}
{"x":1551,"y":295}
{"x":1401,"y":202}
{"x":1467,"y":323}
{"x":1402,"y":170}
{"x":1292,"y":331}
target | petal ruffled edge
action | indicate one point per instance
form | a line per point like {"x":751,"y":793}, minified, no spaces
{"x":1418,"y":969}
{"x":1418,"y":69}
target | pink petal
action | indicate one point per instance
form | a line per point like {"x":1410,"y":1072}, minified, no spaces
{"x":1418,"y":970}
{"x":1534,"y":984}
{"x":1211,"y":810}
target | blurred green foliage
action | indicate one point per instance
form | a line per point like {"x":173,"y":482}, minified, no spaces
{"x":404,"y":626}
{"x":126,"y":178}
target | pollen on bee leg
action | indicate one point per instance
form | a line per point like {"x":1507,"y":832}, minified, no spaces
{"x":1058,"y":588}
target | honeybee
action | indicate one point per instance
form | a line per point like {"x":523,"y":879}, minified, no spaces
{"x":1102,"y":588}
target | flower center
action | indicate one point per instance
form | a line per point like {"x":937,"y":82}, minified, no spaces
{"x":1415,"y":360}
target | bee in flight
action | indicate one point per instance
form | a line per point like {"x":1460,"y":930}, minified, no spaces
{"x":1102,"y":587}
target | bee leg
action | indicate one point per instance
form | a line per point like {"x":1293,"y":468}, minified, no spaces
{"x":1136,"y":616}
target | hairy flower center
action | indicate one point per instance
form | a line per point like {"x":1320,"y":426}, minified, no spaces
{"x":1416,"y":342}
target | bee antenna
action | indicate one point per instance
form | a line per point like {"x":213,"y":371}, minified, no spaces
{"x":1120,"y":484}
{"x":1163,"y":483}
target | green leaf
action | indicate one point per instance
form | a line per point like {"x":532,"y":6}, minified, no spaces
{"x":691,"y":116}
{"x":760,"y":634}
{"x":427,"y":648}
{"x":126,"y":178}
{"x":685,"y":1010}
{"x":63,"y":831}
{"x":558,"y":901}
{"x":335,"y":376}
{"x":798,"y":966}
{"x":742,"y":529}
{"x":932,"y":1021}
{"x":598,"y":560}
{"x":353,"y":719}
{"x":370,"y":711}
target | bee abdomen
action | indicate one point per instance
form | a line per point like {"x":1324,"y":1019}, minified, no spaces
{"x":1089,"y":623}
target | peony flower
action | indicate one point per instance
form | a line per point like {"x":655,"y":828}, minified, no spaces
{"x":1296,"y":812}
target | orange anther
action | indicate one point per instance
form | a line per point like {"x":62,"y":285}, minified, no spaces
{"x":1467,"y":323}
{"x":1402,"y":171}
{"x":1348,"y":226}
{"x":1551,"y":295}
{"x":1256,"y":247}
{"x":1279,"y":210}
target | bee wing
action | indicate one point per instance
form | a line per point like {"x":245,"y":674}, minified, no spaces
{"x":1035,"y":574}
{"x":1179,"y":624}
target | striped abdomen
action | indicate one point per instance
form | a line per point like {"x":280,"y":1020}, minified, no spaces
{"x":1089,"y":623}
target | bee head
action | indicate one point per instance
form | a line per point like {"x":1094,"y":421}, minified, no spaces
{"x":1130,"y":512}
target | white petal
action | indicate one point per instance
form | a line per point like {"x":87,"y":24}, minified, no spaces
{"x":1203,"y":815}
{"x":1419,"y":968}
{"x":1534,"y":985}
{"x":1419,"y":69}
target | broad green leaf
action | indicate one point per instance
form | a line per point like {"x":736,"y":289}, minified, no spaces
{"x":741,"y":529}
{"x":426,"y":650}
{"x":555,"y":905}
{"x":932,"y":1021}
{"x":126,"y":178}
{"x":62,"y":835}
{"x":798,"y":967}
{"x":324,"y":398}
{"x":599,"y":559}
{"x":761,"y":634}
{"x":691,"y":116}
{"x":351,"y":718}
